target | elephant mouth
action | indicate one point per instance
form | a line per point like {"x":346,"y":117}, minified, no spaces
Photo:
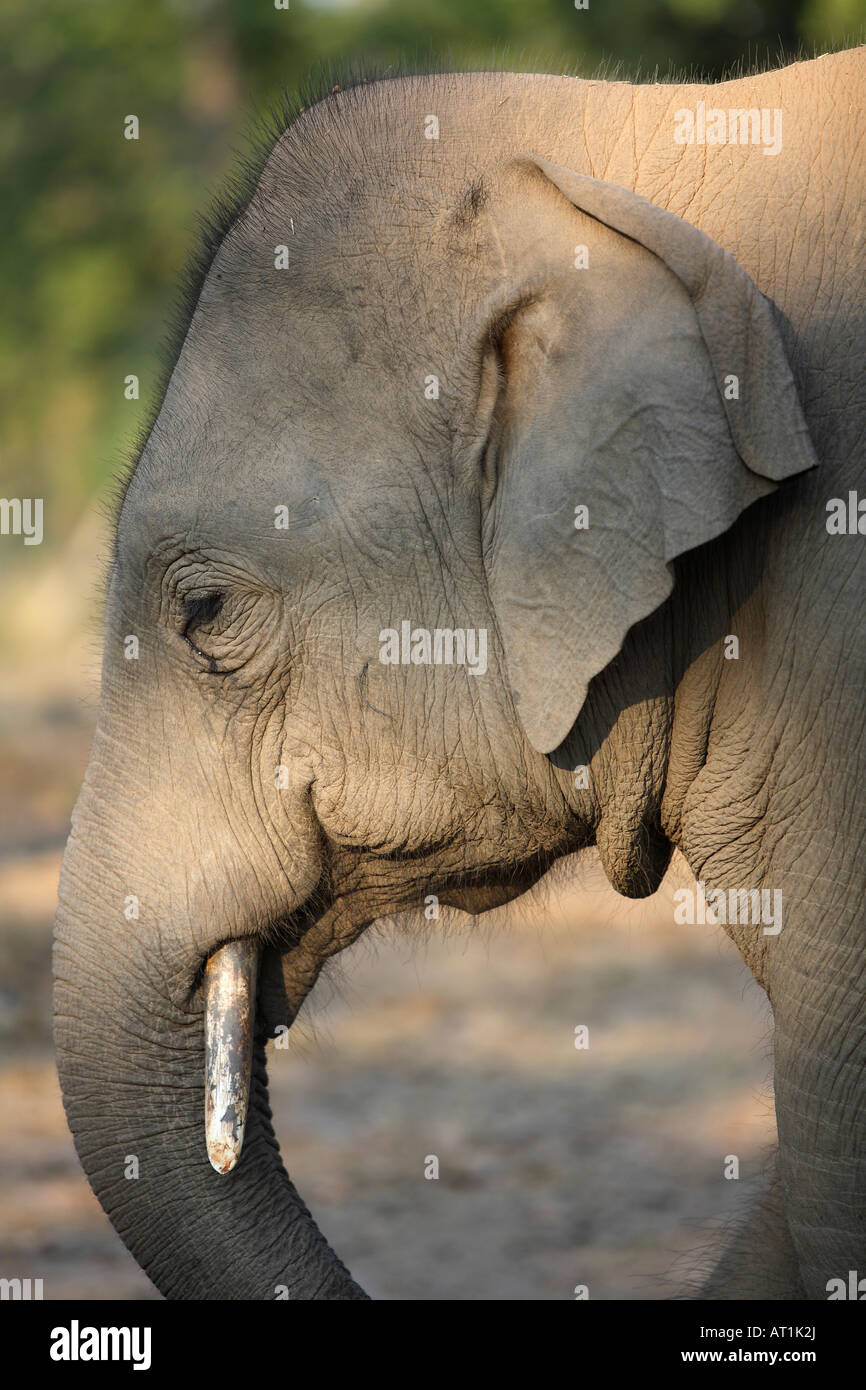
{"x":236,"y":975}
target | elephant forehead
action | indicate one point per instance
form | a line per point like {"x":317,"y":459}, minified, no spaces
{"x":286,"y":507}
{"x":242,"y":432}
{"x":302,"y":379}
{"x":292,"y":503}
{"x":266,"y":379}
{"x":288,"y":277}
{"x":257,"y":371}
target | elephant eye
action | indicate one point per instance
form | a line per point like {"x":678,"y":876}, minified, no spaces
{"x":225,"y":628}
{"x":203,"y":608}
{"x":200,"y":613}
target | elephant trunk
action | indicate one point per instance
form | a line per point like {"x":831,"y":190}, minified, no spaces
{"x":819,"y":1068}
{"x":820,"y":1056}
{"x":131,"y":1059}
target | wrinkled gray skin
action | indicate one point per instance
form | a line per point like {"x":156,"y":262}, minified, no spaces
{"x":304,"y":387}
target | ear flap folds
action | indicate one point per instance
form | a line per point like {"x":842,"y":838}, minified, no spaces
{"x":647,"y":402}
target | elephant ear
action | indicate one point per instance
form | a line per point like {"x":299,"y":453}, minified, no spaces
{"x":639,"y":374}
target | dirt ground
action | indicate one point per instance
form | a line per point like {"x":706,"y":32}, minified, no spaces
{"x":557,"y":1167}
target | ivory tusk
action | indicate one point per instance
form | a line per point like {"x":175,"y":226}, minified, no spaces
{"x":230,"y":978}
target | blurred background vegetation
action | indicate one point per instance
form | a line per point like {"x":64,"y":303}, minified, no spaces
{"x":97,"y":228}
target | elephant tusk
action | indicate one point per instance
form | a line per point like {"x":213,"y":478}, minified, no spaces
{"x":230,"y":1003}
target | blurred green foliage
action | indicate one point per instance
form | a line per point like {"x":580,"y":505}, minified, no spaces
{"x":95,"y":228}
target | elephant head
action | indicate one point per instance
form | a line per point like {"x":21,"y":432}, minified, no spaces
{"x":438,"y":505}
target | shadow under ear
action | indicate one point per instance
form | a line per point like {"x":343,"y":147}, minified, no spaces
{"x":630,"y":704}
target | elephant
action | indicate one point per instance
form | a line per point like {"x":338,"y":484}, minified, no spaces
{"x":500,"y":501}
